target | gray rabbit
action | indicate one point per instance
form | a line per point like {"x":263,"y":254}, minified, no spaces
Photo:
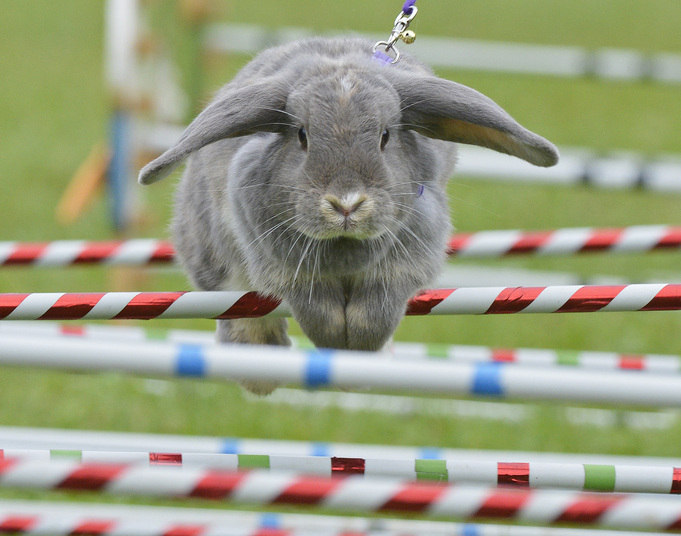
{"x":318,"y":176}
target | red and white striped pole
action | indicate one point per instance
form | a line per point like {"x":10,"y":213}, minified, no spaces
{"x":237,"y":304}
{"x":69,"y":519}
{"x":480,"y":244}
{"x":352,"y":493}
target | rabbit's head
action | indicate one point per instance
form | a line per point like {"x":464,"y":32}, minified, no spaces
{"x":352,"y":152}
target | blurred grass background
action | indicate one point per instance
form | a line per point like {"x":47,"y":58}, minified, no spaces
{"x":54,"y":108}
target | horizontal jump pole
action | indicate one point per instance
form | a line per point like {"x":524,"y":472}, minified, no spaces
{"x":238,"y":304}
{"x":79,"y":252}
{"x":514,"y":474}
{"x":536,"y":357}
{"x":69,"y":518}
{"x":61,"y":439}
{"x":479,"y":55}
{"x":352,"y":493}
{"x":567,"y":241}
{"x":343,"y":369}
{"x":482,"y":244}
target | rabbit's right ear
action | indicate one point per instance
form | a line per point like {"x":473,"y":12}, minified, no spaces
{"x":446,"y":110}
{"x":236,"y":112}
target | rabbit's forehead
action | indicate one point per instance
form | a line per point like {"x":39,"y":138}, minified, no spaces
{"x":346,"y":92}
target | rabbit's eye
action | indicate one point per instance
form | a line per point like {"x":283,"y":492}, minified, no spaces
{"x":384,"y":138}
{"x":302,"y":138}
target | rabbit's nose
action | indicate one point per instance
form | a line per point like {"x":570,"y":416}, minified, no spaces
{"x":347,"y":204}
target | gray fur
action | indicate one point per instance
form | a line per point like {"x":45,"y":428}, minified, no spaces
{"x":338,"y":230}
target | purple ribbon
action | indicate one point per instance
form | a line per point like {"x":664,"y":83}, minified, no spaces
{"x":406,"y":8}
{"x":382,"y":58}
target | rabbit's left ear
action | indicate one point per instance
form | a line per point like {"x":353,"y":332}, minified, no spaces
{"x":446,"y":110}
{"x":236,"y":112}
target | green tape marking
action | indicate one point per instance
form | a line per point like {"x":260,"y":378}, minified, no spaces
{"x":303,"y":343}
{"x":437,"y":350}
{"x":599,"y":477}
{"x":567,"y":357}
{"x":254,"y":461}
{"x":73,"y":454}
{"x":156,"y":334}
{"x":431,"y":470}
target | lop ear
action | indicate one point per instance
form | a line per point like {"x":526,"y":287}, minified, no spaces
{"x":235,"y":112}
{"x":449,"y":111}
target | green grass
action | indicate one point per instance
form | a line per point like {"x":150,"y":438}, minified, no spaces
{"x":54,"y":108}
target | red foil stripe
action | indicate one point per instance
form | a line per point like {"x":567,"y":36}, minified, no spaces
{"x":18,"y":523}
{"x":503,"y":504}
{"x":668,"y":299}
{"x":6,"y":463}
{"x":93,"y":527}
{"x":96,"y":252}
{"x":25,"y":253}
{"x":514,"y":299}
{"x":347,"y":466}
{"x":164,"y":252}
{"x":307,"y":490}
{"x":530,"y":242}
{"x":217,"y":485}
{"x":513,"y":474}
{"x":676,"y":481}
{"x":589,"y":510}
{"x":458,"y":242}
{"x":272,"y":532}
{"x":423,"y":303}
{"x":91,"y":477}
{"x":632,"y":362}
{"x":9,"y":302}
{"x":503,"y":356}
{"x":415,"y":497}
{"x":72,"y":306}
{"x":148,"y":305}
{"x":186,"y":530}
{"x":603,"y":239}
{"x":77,"y":331}
{"x":251,"y":305}
{"x":165,"y":458}
{"x":670,"y":240}
{"x":591,"y":299}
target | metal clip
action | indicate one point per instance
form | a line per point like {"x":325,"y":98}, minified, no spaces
{"x":399,"y":31}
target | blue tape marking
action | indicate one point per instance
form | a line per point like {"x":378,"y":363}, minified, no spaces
{"x":120,"y":168}
{"x":318,"y":369}
{"x":320,"y":449}
{"x":229,"y":446}
{"x":429,"y":453}
{"x":190,"y":361}
{"x":470,"y":530}
{"x":270,"y":521}
{"x":487,"y":379}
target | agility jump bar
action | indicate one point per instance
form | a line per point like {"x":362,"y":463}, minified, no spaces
{"x":535,"y":357}
{"x":72,"y":518}
{"x":351,"y":493}
{"x":515,"y":474}
{"x":481,"y":244}
{"x":238,"y":304}
{"x":344,"y":369}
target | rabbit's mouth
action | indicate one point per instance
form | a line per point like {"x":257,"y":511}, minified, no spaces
{"x":351,"y":215}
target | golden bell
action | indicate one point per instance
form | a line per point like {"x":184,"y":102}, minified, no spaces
{"x":408,"y":37}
